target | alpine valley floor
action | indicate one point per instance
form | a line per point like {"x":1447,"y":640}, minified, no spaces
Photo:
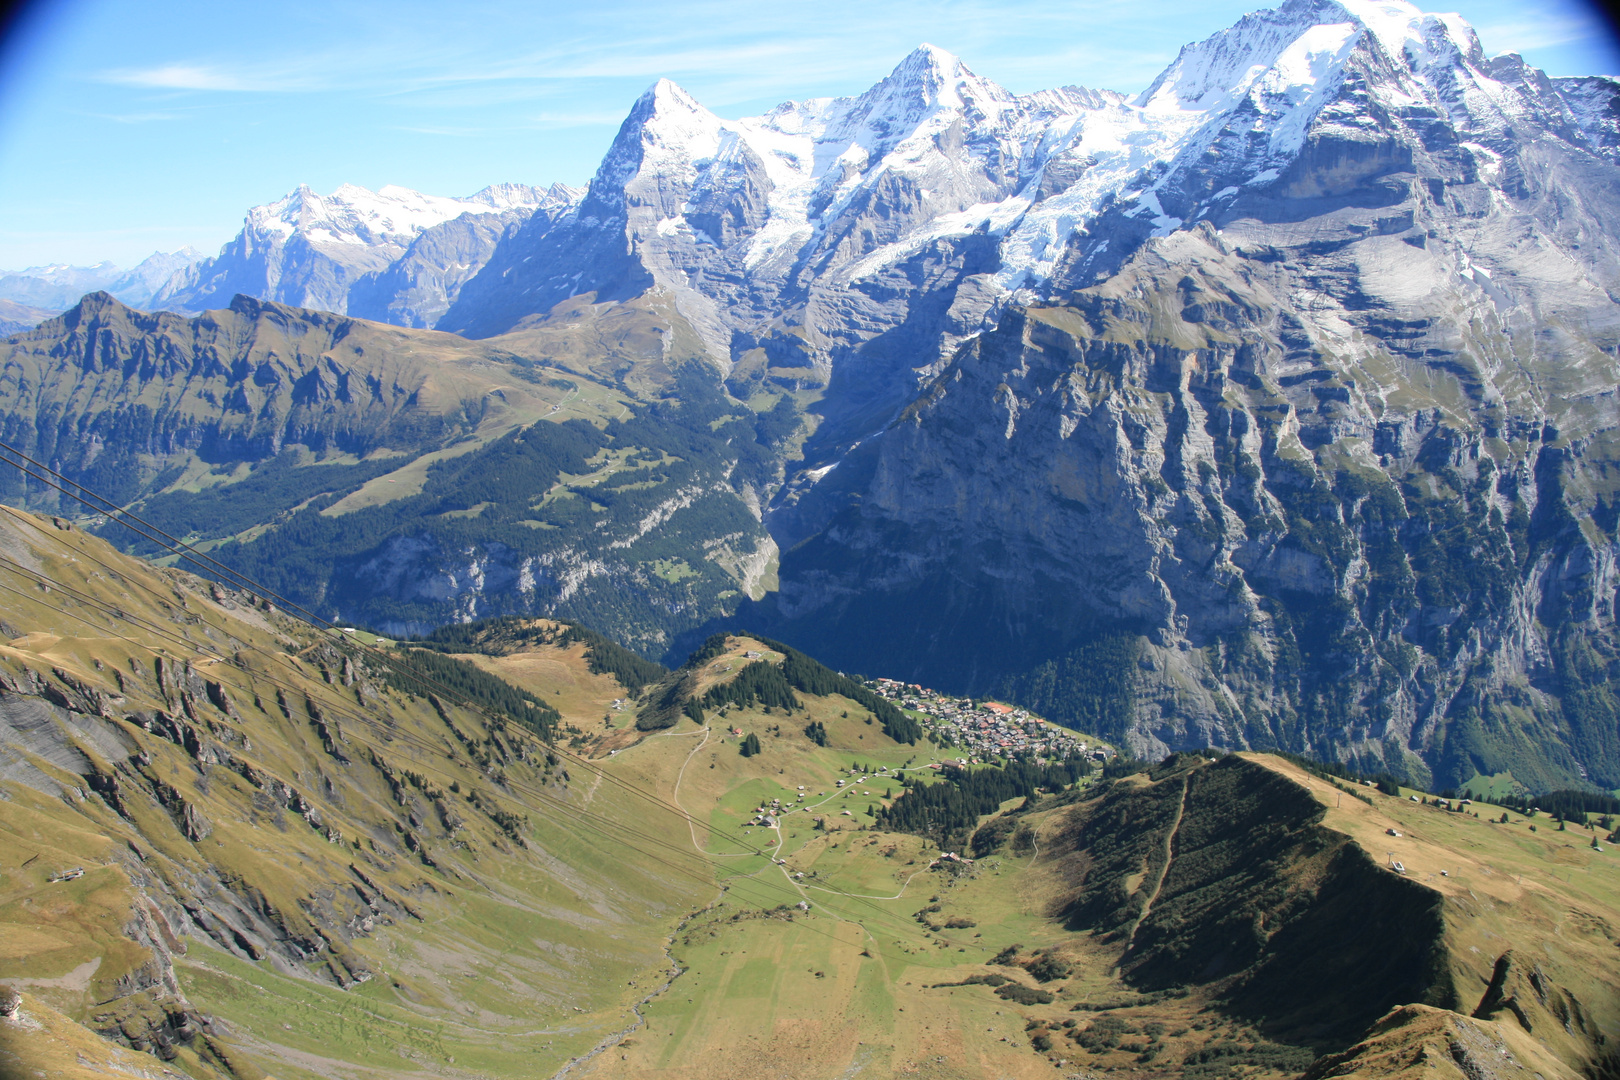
{"x":305,"y":854}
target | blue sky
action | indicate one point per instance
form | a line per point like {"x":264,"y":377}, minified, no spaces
{"x":128,"y":126}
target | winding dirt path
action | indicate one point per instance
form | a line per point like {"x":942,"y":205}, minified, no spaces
{"x":1164,"y":871}
{"x":869,"y":896}
{"x":675,"y":796}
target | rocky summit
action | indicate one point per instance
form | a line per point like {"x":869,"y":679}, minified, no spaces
{"x":1271,"y":408}
{"x":1312,"y":425}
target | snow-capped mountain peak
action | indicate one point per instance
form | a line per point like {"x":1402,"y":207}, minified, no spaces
{"x":500,"y":197}
{"x":934,"y":154}
{"x":392,"y":214}
{"x":1293,"y":51}
{"x":315,"y":250}
{"x":675,"y":121}
{"x":925,"y":92}
{"x":1406,"y":32}
{"x":850,"y":201}
{"x":666,"y":94}
{"x":1282,"y":53}
{"x":666,"y":130}
{"x":935,"y":76}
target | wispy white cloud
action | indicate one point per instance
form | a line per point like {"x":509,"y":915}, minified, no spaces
{"x":178,"y":77}
{"x":298,"y":74}
{"x":772,"y":54}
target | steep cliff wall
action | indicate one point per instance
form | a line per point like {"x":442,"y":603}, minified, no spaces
{"x":1341,"y":485}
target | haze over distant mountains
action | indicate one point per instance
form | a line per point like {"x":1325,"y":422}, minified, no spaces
{"x":394,"y":255}
{"x":1281,"y":392}
{"x":50,"y":289}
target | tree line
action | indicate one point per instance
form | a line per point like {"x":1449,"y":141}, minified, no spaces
{"x":774,"y":685}
{"x":468,"y":681}
{"x":947,"y":812}
{"x":505,"y":634}
{"x":814,"y":677}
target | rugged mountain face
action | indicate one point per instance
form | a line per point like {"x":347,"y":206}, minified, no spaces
{"x":232,"y":843}
{"x":856,"y":242}
{"x":1340,"y":222}
{"x":119,"y":398}
{"x":408,"y":478}
{"x":217,"y":817}
{"x":1337,"y":456}
{"x":418,"y":287}
{"x":392,"y":254}
{"x":829,"y":238}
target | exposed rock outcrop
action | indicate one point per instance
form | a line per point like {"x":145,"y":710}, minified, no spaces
{"x":1336,"y":463}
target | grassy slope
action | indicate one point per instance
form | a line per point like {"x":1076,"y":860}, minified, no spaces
{"x":1545,"y":895}
{"x":325,"y":455}
{"x":38,"y":1040}
{"x":512,"y":943}
{"x":515,"y":958}
{"x":842,"y":985}
{"x":753,"y":998}
{"x":586,"y":353}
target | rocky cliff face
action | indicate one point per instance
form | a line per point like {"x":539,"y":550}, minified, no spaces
{"x":408,"y":478}
{"x":854,"y":243}
{"x":1337,"y":460}
{"x":418,"y":287}
{"x":269,"y":809}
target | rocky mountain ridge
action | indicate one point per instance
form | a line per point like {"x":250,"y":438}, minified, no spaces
{"x":1347,"y":439}
{"x":856,"y":242}
{"x":394,"y":254}
{"x":55,"y":288}
{"x":404,"y":478}
{"x":1288,"y":381}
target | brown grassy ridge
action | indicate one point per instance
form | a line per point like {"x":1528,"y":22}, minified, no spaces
{"x":287,"y":861}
